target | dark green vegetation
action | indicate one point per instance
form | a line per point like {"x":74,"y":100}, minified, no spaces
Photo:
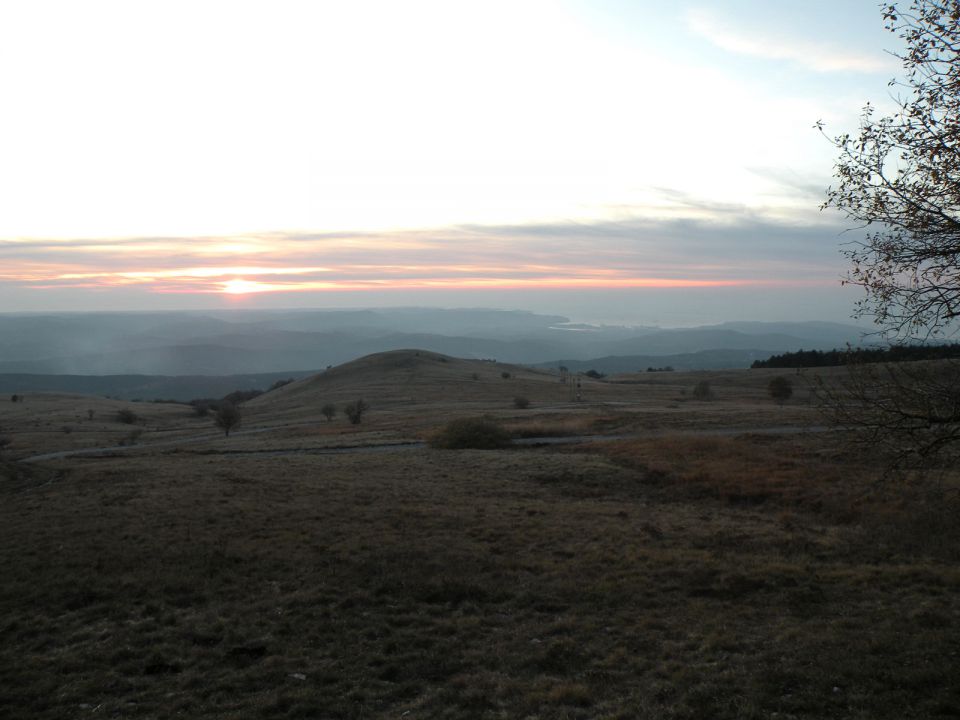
{"x":692,"y":570}
{"x":830,"y":358}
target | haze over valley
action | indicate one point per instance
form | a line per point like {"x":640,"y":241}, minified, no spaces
{"x":256,"y":348}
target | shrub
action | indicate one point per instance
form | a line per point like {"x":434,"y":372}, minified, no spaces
{"x":505,"y":375}
{"x":201,"y":408}
{"x":5,"y":440}
{"x":703,"y":391}
{"x":127,"y":416}
{"x":132,"y":437}
{"x":482,"y":433}
{"x":521,"y":403}
{"x":279,"y":384}
{"x":355,"y":410}
{"x":596,"y":375}
{"x":329,"y":410}
{"x":780,"y":389}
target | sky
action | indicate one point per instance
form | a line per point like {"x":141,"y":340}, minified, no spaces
{"x":616,"y":161}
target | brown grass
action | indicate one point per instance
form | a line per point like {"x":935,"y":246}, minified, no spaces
{"x":669,"y":577}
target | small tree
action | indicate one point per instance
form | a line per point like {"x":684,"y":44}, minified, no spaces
{"x":780,"y":389}
{"x":521,"y":403}
{"x":227,"y":417}
{"x":505,"y":375}
{"x":702,"y":391}
{"x":14,"y":398}
{"x":329,"y":410}
{"x":355,"y":410}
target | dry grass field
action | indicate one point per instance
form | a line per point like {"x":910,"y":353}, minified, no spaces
{"x":713,"y":561}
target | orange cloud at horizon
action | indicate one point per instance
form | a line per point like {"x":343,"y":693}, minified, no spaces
{"x":258,"y":279}
{"x":445,"y":259}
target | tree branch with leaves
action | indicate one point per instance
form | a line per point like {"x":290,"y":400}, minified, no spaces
{"x":899,"y":178}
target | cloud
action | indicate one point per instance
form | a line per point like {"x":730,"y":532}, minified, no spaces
{"x":820,"y":57}
{"x":715,"y":245}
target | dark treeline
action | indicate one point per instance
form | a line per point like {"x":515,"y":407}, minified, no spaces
{"x":202,"y":406}
{"x":827,"y":358}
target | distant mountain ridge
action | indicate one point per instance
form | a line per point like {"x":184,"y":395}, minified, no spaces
{"x":264,"y":342}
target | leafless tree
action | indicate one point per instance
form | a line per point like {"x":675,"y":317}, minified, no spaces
{"x":899,"y":178}
{"x":355,"y":411}
{"x":909,"y":410}
{"x":227,"y":417}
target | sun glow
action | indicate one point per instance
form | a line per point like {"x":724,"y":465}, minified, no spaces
{"x":239,"y":286}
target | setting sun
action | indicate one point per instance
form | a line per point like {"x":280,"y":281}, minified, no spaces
{"x":240,"y":286}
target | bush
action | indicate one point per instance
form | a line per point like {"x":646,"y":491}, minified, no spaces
{"x":201,"y":408}
{"x":702,"y":391}
{"x":329,"y":410}
{"x":521,"y":403}
{"x":132,"y":437}
{"x":355,"y":411}
{"x":780,"y":389}
{"x":481,"y":433}
{"x":505,"y":375}
{"x":127,"y":416}
{"x":596,"y":375}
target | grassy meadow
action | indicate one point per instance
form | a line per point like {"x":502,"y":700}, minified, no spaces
{"x":713,"y":561}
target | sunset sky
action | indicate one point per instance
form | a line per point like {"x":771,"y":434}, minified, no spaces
{"x":615,"y":161}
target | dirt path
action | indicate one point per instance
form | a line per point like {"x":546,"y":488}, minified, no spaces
{"x":411,"y":445}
